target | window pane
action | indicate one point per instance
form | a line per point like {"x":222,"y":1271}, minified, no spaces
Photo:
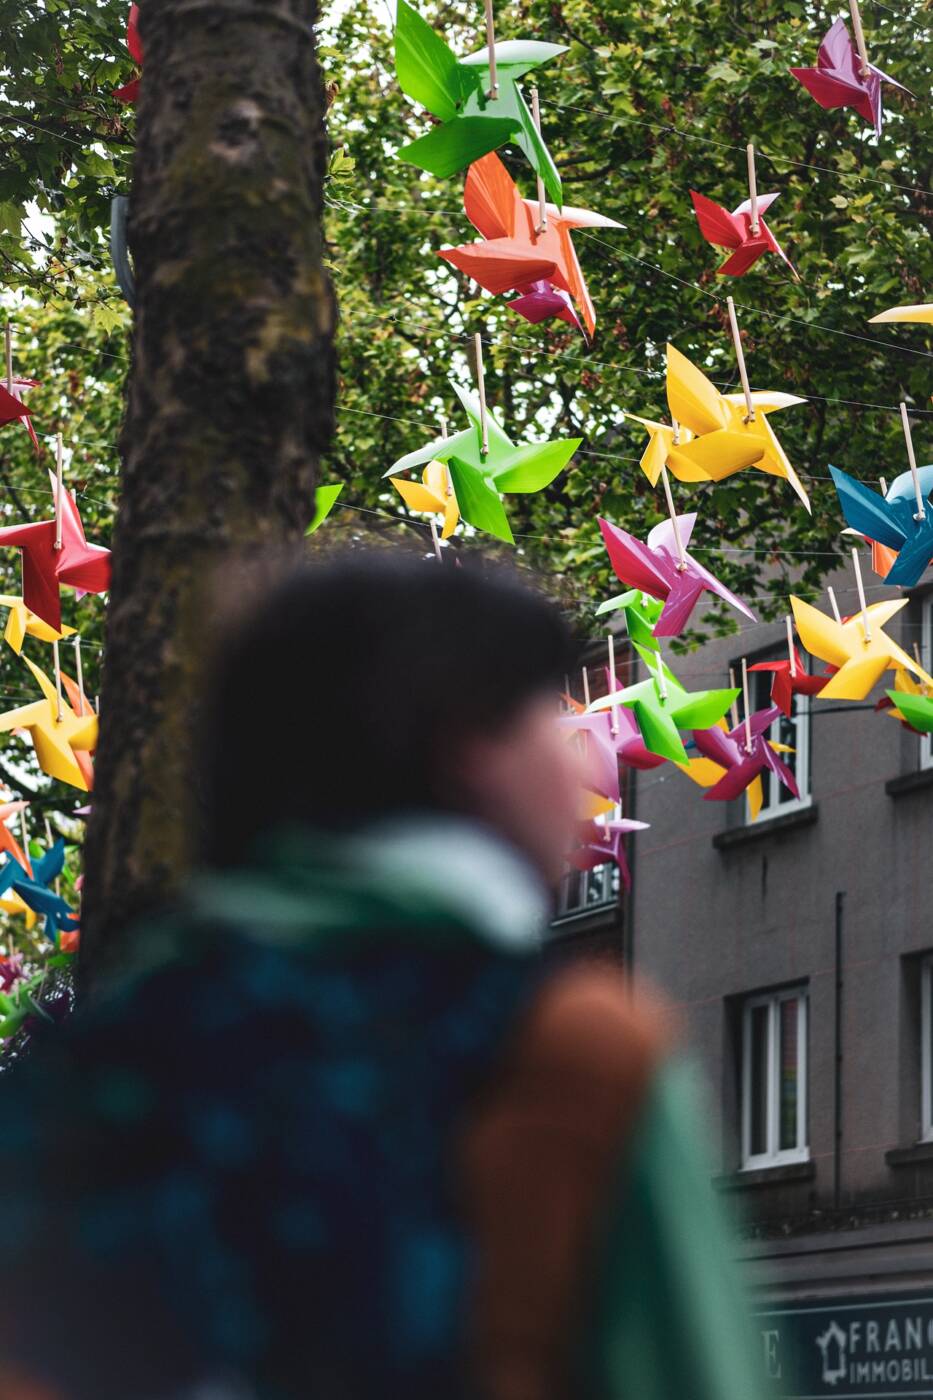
{"x":758,"y":1081}
{"x":785,"y":732}
{"x":789,"y":1061}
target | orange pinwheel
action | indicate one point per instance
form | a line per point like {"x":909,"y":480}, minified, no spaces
{"x":517,"y":252}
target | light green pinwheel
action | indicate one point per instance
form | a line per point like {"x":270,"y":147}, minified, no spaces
{"x":456,"y":91}
{"x":662,"y":711}
{"x":641,"y":613}
{"x":478,"y":480}
{"x":916,"y":709}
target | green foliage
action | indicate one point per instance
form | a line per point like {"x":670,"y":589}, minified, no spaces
{"x":649,"y":102}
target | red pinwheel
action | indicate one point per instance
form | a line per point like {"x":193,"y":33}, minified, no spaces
{"x":517,"y":255}
{"x":130,"y":93}
{"x":743,"y":760}
{"x":76,"y":564}
{"x":735,"y":231}
{"x":790,"y":681}
{"x":602,"y":842}
{"x":12,"y":408}
{"x":838,"y":80}
{"x":662,"y":567}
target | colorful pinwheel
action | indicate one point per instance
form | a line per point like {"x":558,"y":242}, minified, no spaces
{"x":790,"y":681}
{"x":478,"y":478}
{"x":12,"y":407}
{"x":603,"y":842}
{"x":665,"y":570}
{"x":861,"y":659}
{"x":130,"y":93}
{"x":744,"y":758}
{"x":892,"y":522}
{"x":325,"y":498}
{"x":517,"y":254}
{"x":471,"y":122}
{"x":600,"y":751}
{"x":432,"y":495}
{"x":35,"y":892}
{"x":544,"y":302}
{"x":916,"y":710}
{"x":641,"y":613}
{"x":22,"y":623}
{"x":921,"y":312}
{"x":736,"y":231}
{"x":838,"y":80}
{"x":55,"y":739}
{"x":662,"y":707}
{"x":714,"y":438}
{"x":76,"y":564}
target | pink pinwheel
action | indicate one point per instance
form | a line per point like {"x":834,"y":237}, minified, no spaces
{"x":743,"y":763}
{"x":786,"y":685}
{"x":734,"y":230}
{"x":600,"y":751}
{"x":543,"y":301}
{"x":11,"y":970}
{"x":666,"y":571}
{"x":603,"y":842}
{"x":628,"y":742}
{"x":838,"y":81}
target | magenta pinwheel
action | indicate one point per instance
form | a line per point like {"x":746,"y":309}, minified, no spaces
{"x":543,"y":301}
{"x":838,"y":79}
{"x":662,"y":567}
{"x":604,"y":841}
{"x":600,"y":751}
{"x":743,"y":761}
{"x":627,"y":740}
{"x":12,"y":408}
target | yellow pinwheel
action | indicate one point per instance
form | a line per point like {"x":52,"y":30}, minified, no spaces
{"x":861,"y":654}
{"x":432,"y":495}
{"x":22,"y":623}
{"x":55,"y":739}
{"x":726,"y":439}
{"x":921,"y":312}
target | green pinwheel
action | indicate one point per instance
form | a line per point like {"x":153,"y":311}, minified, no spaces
{"x":916,"y":709}
{"x":641,"y":614}
{"x":472,"y":122}
{"x":478,"y":477}
{"x":662,"y":707}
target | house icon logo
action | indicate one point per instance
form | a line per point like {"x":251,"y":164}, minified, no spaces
{"x":832,"y":1344}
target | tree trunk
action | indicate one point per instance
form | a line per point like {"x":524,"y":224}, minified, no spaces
{"x":230,"y":400}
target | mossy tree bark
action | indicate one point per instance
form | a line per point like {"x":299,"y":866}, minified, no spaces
{"x":230,"y":400}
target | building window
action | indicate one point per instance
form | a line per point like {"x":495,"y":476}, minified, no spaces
{"x":795,"y":733}
{"x":586,"y":891}
{"x":926,"y":1049}
{"x":774,"y":1079}
{"x":926,"y":654}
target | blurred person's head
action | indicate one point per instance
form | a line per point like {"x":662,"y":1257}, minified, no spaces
{"x":377,"y":685}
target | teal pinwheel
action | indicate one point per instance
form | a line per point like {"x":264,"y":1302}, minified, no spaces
{"x":480,"y":479}
{"x":662,"y":707}
{"x":456,"y":91}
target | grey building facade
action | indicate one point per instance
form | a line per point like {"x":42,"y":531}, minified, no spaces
{"x":798,"y":950}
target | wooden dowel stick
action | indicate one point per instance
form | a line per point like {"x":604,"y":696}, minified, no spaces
{"x":59,"y":487}
{"x":859,"y":37}
{"x":681,"y":557}
{"x":542,"y":196}
{"x":9,"y":358}
{"x":435,"y":540}
{"x":866,"y":625}
{"x":790,"y":645}
{"x":586,"y":687}
{"x":734,"y":710}
{"x":481,"y":386}
{"x":491,"y":52}
{"x":752,"y":189}
{"x":740,"y":357}
{"x":613,"y":709}
{"x":921,"y":508}
{"x":748,"y":710}
{"x":661,"y":679}
{"x":58,"y":683}
{"x":675,"y":441}
{"x":833,"y":604}
{"x":79,"y":671}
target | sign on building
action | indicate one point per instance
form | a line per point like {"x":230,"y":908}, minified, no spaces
{"x":850,"y":1350}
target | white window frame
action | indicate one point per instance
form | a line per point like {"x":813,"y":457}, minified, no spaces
{"x":926,"y":1049}
{"x":926,"y":652}
{"x":801,"y":723}
{"x":775,"y":1156}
